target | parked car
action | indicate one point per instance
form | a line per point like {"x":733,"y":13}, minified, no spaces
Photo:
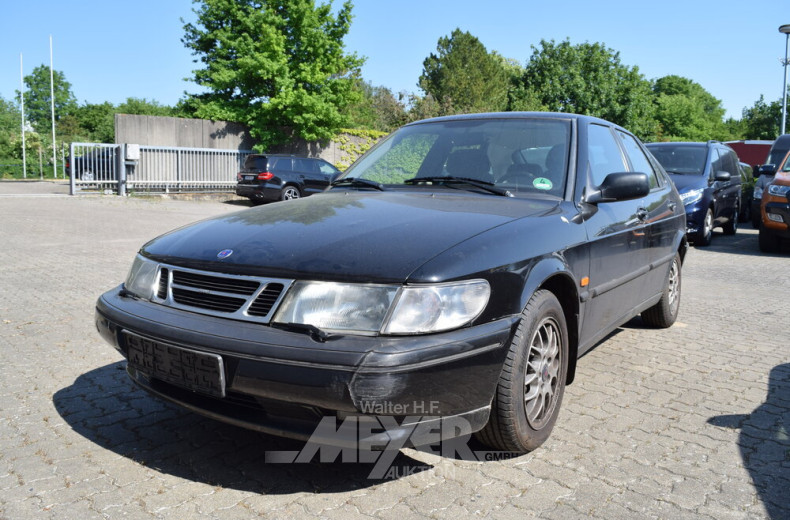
{"x":94,"y":164}
{"x":708,"y":177}
{"x":747,"y":192}
{"x":269,"y":177}
{"x":765,"y":174}
{"x":775,"y":211}
{"x":456,"y":271}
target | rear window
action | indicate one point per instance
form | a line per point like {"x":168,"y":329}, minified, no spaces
{"x":681,"y":159}
{"x":255,"y":163}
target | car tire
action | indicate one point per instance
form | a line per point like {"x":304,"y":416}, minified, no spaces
{"x":769,"y":243}
{"x":663,"y":314}
{"x":731,"y":227}
{"x":756,"y":219}
{"x":532,"y":382}
{"x":704,"y":235}
{"x":290,"y":192}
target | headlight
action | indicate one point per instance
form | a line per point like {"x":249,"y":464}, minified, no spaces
{"x":422,"y":309}
{"x":690,"y":197}
{"x":388,"y":309}
{"x":142,"y":278}
{"x":337,"y":306}
{"x":758,"y":192}
{"x":778,"y":190}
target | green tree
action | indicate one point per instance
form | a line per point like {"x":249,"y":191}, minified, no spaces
{"x":586,"y":79}
{"x":762,"y":120}
{"x":277,"y":66}
{"x":91,"y":122}
{"x":38,"y":103}
{"x":686,"y":111}
{"x":464,"y":77}
{"x":143,"y":107}
{"x":377,"y":108}
{"x":10,"y":127}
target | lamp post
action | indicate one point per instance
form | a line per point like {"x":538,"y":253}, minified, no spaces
{"x":785,"y":29}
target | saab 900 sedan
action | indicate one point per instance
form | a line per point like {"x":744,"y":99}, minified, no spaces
{"x":464,"y":263}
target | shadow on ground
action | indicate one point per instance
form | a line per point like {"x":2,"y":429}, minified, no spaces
{"x":764,"y":442}
{"x":107,"y":409}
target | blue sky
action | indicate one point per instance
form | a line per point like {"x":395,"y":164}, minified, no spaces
{"x":112,"y":50}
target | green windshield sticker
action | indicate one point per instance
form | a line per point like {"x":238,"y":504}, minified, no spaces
{"x":542,"y":183}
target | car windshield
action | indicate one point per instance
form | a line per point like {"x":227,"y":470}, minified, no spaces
{"x":681,"y":159}
{"x":498,"y":156}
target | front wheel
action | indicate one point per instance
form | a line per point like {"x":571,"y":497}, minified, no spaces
{"x":704,"y":235}
{"x":664,"y":313}
{"x":532,"y":382}
{"x":769,"y":243}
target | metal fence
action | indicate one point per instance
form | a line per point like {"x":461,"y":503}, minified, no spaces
{"x":97,"y":167}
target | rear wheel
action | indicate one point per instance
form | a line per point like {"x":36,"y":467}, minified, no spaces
{"x":665,"y":312}
{"x":731,"y":227}
{"x":532,"y":382}
{"x":290,"y":193}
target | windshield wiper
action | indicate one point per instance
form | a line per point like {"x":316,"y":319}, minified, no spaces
{"x":477,"y":183}
{"x":356,"y":182}
{"x":675,"y":172}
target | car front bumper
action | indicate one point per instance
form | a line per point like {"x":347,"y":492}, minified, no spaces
{"x":284,"y":382}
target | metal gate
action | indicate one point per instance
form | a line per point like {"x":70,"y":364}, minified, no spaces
{"x":121,"y":168}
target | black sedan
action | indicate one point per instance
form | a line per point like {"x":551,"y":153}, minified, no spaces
{"x":457,"y":270}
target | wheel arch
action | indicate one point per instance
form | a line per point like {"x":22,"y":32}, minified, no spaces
{"x":553,"y":274}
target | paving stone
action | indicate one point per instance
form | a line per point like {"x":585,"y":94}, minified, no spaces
{"x":685,"y":423}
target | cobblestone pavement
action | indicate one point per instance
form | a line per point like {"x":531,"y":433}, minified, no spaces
{"x":690,"y":422}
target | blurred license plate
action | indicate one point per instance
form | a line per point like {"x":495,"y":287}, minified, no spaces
{"x":249,"y":177}
{"x":191,"y":369}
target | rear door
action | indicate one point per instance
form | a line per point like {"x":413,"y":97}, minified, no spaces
{"x":658,"y":212}
{"x":617,"y":234}
{"x":310,"y":176}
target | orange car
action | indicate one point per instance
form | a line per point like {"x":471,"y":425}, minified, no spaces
{"x":775,"y":210}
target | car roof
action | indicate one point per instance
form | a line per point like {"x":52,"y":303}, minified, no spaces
{"x":518,"y":115}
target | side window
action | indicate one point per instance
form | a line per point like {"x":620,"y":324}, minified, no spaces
{"x":305,"y":166}
{"x":716,"y":162}
{"x":604,"y":154}
{"x":327,"y":168}
{"x":639,"y":160}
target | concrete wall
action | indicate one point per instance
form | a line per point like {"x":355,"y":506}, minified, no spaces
{"x":202,"y":133}
{"x":187,"y":133}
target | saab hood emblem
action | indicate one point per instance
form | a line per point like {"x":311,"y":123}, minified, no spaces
{"x":224,"y":253}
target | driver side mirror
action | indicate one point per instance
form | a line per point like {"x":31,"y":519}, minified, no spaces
{"x":722,"y":176}
{"x":620,"y":186}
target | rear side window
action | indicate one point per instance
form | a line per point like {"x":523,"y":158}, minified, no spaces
{"x":604,"y":154}
{"x":305,"y":166}
{"x":639,"y":160}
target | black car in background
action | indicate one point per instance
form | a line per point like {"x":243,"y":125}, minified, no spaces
{"x":271,"y":177}
{"x":708,"y":177}
{"x":455,"y":272}
{"x":94,"y":164}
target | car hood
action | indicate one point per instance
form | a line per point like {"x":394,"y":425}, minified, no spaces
{"x":348,"y":235}
{"x":685,"y":183}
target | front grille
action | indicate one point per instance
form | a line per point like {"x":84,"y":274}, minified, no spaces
{"x":215,"y":283}
{"x":247,"y":298}
{"x":208,"y":301}
{"x":265,"y":301}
